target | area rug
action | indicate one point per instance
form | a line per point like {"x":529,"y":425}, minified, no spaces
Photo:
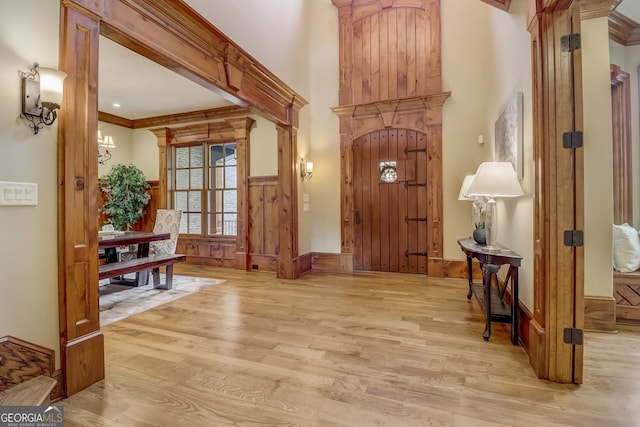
{"x":118,"y":302}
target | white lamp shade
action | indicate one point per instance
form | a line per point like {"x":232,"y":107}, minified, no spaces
{"x":464,"y":190}
{"x":51,"y":85}
{"x":495,"y":179}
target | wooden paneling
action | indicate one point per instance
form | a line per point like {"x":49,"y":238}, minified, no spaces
{"x":622,"y":146}
{"x":263,"y":215}
{"x":337,"y":263}
{"x":78,"y":203}
{"x":394,"y":52}
{"x":600,"y":314}
{"x":390,"y":78}
{"x":208,"y":251}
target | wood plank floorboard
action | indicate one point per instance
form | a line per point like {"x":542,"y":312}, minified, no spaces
{"x":368,"y":349}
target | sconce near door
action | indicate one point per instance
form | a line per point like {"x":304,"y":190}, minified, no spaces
{"x":104,"y":145}
{"x":41,"y":96}
{"x":306,"y":169}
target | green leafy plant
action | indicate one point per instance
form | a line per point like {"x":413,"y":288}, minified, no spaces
{"x":125,"y":188}
{"x":479,"y":225}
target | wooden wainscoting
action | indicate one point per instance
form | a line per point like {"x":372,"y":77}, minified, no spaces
{"x":208,"y":251}
{"x":263,"y":223}
{"x":600,"y":314}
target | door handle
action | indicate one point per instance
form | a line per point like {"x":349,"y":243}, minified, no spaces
{"x":357,"y":217}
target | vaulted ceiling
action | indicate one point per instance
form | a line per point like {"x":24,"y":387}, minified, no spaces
{"x":145,"y":89}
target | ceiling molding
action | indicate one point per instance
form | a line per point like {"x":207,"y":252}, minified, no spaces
{"x":500,"y":4}
{"x":115,"y":120}
{"x":623,"y":30}
{"x":175,"y":119}
{"x":596,"y":9}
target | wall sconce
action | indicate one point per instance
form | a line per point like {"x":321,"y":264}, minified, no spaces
{"x":104,"y":145}
{"x":41,"y":96}
{"x":306,"y":169}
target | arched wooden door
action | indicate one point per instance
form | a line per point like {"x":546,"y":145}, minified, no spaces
{"x":390,"y":215}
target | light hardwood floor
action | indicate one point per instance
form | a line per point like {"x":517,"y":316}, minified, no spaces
{"x":369,"y":349}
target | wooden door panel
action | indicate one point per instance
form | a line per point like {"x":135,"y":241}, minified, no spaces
{"x":374,"y":197}
{"x":384,"y":207}
{"x":390,"y":218}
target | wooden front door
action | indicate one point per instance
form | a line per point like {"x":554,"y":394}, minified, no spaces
{"x":390,"y":231}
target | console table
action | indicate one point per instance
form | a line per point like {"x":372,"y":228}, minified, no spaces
{"x":491,"y":298}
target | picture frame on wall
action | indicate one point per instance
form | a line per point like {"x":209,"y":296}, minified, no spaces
{"x":509,"y":140}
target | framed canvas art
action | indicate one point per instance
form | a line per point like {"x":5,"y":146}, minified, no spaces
{"x":509,"y":140}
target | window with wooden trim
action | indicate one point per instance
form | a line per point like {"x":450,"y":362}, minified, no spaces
{"x":204,"y":188}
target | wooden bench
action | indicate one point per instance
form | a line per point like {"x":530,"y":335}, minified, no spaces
{"x":626,"y":291}
{"x":153,"y":262}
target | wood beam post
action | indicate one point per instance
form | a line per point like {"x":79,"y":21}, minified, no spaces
{"x":242,"y":127}
{"x":559,"y":201}
{"x":81,"y":343}
{"x":287,"y":201}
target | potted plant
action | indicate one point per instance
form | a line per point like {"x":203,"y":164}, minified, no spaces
{"x":479,"y":224}
{"x":125,"y":188}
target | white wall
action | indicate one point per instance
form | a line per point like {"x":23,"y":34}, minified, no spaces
{"x":28,"y":246}
{"x":145,"y":153}
{"x":263,"y":153}
{"x":482,"y":79}
{"x":122,"y":138}
{"x":598,"y":158}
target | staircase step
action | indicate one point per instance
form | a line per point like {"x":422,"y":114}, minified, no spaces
{"x":34,"y":392}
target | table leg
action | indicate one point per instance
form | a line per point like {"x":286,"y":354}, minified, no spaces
{"x":469,"y":277}
{"x":514,"y":306}
{"x":488,"y":270}
{"x":142,"y":276}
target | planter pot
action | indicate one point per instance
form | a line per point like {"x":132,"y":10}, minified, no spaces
{"x":480,"y":236}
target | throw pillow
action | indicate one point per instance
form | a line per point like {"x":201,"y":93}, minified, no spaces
{"x":626,"y":248}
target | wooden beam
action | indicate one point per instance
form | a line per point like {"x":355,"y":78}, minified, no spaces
{"x":175,"y":119}
{"x":500,"y":4}
{"x":186,"y":43}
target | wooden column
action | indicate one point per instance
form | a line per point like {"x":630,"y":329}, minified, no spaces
{"x":164,"y":136}
{"x":81,"y":342}
{"x":242,"y":127}
{"x":622,"y":152}
{"x":287,"y":201}
{"x":559,"y":201}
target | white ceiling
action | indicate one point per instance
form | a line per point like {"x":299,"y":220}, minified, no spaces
{"x":630,"y":8}
{"x":144,"y":88}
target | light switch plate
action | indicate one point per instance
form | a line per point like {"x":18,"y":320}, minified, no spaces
{"x":18,"y":194}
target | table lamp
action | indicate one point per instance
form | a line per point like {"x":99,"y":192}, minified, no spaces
{"x":493,"y":180}
{"x":478,"y":204}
